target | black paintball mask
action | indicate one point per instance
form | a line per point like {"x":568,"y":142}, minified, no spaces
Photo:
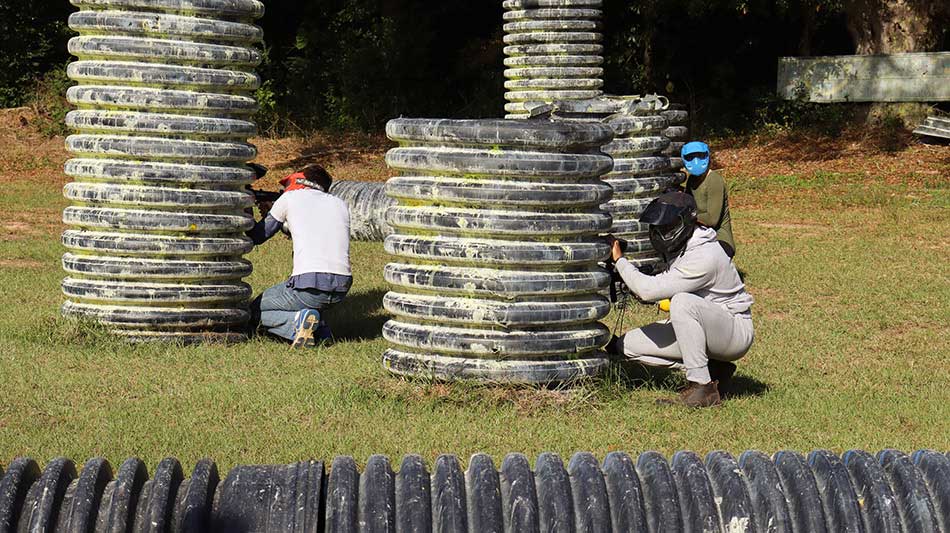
{"x":672,"y":219}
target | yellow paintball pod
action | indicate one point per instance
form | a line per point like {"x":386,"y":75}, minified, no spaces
{"x":664,"y":305}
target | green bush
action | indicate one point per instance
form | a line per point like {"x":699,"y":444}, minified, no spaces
{"x":774,"y":115}
{"x":48,"y":100}
{"x":268,"y":114}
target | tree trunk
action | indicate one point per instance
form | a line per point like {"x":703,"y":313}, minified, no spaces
{"x":808,"y":29}
{"x":895,"y":26}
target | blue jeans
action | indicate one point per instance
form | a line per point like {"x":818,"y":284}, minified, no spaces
{"x":275,"y":308}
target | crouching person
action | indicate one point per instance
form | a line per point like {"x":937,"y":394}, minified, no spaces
{"x":319,"y":225}
{"x":710,"y":322}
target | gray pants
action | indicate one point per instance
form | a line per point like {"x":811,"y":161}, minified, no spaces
{"x":276,"y":307}
{"x":696,"y":331}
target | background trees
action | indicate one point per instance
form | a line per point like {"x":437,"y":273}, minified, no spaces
{"x":356,"y":63}
{"x":33,"y":36}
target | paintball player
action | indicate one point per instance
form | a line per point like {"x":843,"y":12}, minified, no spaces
{"x":319,"y":225}
{"x":710,"y":322}
{"x":709,"y":189}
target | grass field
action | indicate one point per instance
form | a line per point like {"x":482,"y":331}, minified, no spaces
{"x":850,"y":271}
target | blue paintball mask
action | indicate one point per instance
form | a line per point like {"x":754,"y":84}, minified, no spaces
{"x":695,"y":157}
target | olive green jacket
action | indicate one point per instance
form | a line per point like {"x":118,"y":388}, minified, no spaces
{"x":712,"y":201}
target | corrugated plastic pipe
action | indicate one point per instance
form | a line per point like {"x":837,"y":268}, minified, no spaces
{"x":822,"y":492}
{"x":158,"y":211}
{"x":641,"y":172}
{"x":642,"y":169}
{"x":553,"y":50}
{"x":677,"y":132}
{"x":496,"y":245}
{"x":367,"y":203}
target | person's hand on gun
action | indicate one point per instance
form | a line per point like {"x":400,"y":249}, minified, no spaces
{"x":615,"y":251}
{"x":616,"y":248}
{"x":265,"y":206}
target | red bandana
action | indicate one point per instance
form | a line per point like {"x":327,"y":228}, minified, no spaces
{"x":290,"y":182}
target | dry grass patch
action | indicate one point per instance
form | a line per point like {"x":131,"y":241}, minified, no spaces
{"x":858,"y":152}
{"x":347,"y":156}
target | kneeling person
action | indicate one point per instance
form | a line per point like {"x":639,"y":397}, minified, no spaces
{"x":319,"y":225}
{"x":710,"y":321}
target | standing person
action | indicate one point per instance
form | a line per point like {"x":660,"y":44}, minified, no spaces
{"x":710,"y":321}
{"x":709,"y":189}
{"x":319,"y":225}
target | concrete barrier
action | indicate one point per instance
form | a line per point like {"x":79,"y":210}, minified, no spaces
{"x":918,"y":77}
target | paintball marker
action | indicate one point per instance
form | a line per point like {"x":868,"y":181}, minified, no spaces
{"x":259,"y":195}
{"x":618,"y":290}
{"x":264,"y":196}
{"x":617,"y":286}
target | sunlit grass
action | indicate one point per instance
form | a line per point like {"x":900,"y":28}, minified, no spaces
{"x":852,"y":350}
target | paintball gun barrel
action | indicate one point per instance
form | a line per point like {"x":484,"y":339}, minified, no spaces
{"x":264,"y":196}
{"x":259,"y":195}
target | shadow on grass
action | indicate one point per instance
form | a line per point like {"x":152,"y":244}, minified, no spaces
{"x":637,"y":376}
{"x":359,"y":317}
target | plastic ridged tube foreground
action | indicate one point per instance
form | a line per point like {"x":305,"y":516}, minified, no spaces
{"x":751,"y":493}
{"x":164,"y":105}
{"x":554,"y":52}
{"x":496,"y":246}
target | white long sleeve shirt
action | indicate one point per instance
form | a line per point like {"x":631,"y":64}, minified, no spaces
{"x":703,"y":269}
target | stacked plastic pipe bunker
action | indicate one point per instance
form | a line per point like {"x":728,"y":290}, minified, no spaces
{"x":553,"y":50}
{"x":754,"y":493}
{"x":642,"y":167}
{"x":677,"y":132}
{"x":367,"y":203}
{"x":496,"y":246}
{"x":158,"y":215}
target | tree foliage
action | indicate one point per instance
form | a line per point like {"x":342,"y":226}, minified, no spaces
{"x":33,"y":36}
{"x":354,"y":64}
{"x":357,"y":63}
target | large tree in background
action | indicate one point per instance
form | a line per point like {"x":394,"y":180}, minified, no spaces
{"x":895,"y":26}
{"x":356,"y":63}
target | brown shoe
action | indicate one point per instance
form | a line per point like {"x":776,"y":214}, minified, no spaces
{"x":695,"y":395}
{"x":722,"y":372}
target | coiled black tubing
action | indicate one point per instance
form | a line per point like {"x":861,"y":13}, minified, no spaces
{"x":788,"y":492}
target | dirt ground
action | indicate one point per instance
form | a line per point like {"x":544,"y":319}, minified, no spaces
{"x":28,"y":156}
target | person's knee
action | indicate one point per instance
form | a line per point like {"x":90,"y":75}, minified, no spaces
{"x":628,"y":345}
{"x":652,"y":345}
{"x":272,"y":299}
{"x":684,"y":304}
